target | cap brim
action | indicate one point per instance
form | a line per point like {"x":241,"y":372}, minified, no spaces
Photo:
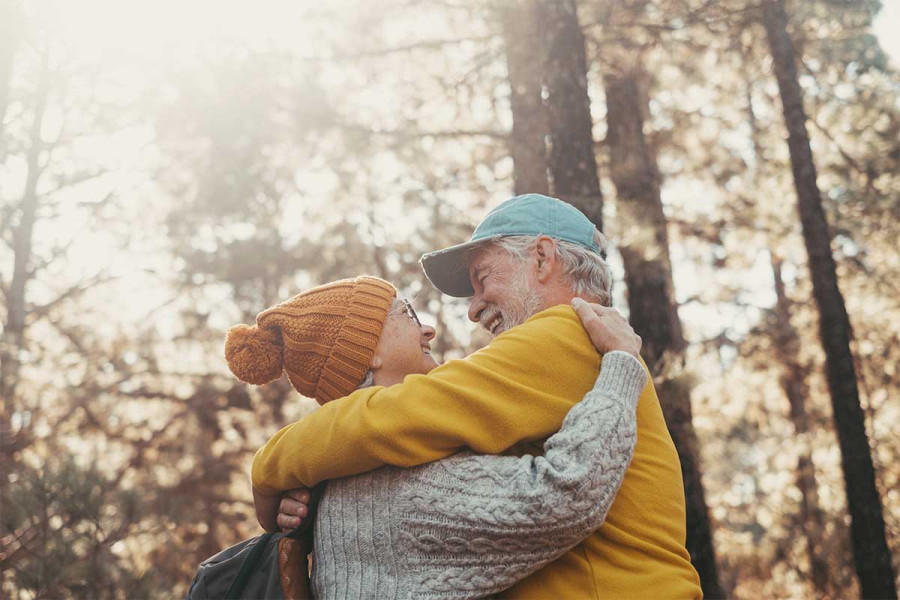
{"x":448,"y":270}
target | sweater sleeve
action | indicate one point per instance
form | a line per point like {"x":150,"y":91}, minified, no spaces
{"x":473,"y":525}
{"x":519,"y":388}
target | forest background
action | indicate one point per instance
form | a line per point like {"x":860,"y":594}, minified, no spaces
{"x":170,"y":169}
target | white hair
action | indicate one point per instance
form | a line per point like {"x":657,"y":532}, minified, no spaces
{"x":368,"y":380}
{"x":586,"y":271}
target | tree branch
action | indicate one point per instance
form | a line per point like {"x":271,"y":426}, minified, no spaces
{"x":74,"y":180}
{"x":410,"y":133}
{"x":74,"y":291}
{"x":379,"y":52}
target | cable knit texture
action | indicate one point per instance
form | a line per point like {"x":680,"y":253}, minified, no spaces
{"x":472,"y":525}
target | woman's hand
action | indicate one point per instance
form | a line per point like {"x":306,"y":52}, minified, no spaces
{"x":266,"y":510}
{"x":293,"y":509}
{"x":285,"y":511}
{"x":607,"y":329}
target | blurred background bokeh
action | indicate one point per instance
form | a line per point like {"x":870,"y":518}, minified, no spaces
{"x":171,"y":168}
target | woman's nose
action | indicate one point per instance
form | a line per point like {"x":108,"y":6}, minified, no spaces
{"x":428,"y":332}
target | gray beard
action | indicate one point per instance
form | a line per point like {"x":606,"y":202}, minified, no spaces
{"x":524,"y":302}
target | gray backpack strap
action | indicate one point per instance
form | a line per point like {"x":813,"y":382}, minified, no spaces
{"x":247,"y":567}
{"x":260,"y":567}
{"x":253,"y":564}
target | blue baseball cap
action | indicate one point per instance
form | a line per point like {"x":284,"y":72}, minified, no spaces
{"x":529,"y":214}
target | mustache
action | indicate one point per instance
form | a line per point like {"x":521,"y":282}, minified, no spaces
{"x":488,"y":315}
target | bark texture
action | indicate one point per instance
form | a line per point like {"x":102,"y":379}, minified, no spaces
{"x":651,"y":296}
{"x":792,"y":377}
{"x":12,"y":343}
{"x":870,"y":550}
{"x":793,"y":382}
{"x":530,"y":131}
{"x":573,"y":166}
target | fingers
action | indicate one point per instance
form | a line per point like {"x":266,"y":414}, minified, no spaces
{"x":292,"y":511}
{"x":299,"y":494}
{"x":607,"y":329}
{"x":287,"y":522}
{"x":590,"y":313}
{"x":583,"y":307}
{"x":586,"y":311}
{"x":293,"y":508}
{"x":606,"y":311}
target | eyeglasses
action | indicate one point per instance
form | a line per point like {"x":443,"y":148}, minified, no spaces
{"x":411,"y":313}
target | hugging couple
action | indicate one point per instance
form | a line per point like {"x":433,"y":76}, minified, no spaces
{"x":538,"y":467}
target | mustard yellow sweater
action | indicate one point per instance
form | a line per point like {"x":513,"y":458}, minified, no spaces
{"x":512,"y":393}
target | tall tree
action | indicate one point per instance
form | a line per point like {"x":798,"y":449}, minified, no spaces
{"x":793,"y":382}
{"x":22,"y":234}
{"x":573,"y":166}
{"x":652,"y":306}
{"x":870,"y":551}
{"x":527,"y":143}
{"x":10,"y":37}
{"x":793,"y":372}
{"x":63,"y":511}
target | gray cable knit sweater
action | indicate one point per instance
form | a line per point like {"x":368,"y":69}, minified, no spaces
{"x":471,"y":525}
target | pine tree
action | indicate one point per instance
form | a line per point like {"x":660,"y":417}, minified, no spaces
{"x":870,"y":550}
{"x":527,"y":142}
{"x":573,"y":166}
{"x":653,"y":309}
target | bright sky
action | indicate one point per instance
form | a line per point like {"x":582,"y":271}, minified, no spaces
{"x":153,"y":26}
{"x":887,"y":28}
{"x":145,"y":33}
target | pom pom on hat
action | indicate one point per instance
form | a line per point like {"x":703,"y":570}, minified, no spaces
{"x":323,"y":338}
{"x":254,"y":355}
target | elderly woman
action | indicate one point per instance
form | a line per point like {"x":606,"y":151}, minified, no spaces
{"x":463,"y":527}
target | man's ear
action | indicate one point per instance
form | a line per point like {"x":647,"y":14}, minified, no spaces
{"x":545,"y":254}
{"x":375,"y":363}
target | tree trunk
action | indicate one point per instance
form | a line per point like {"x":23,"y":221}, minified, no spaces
{"x":573,"y":166}
{"x":13,"y":339}
{"x":11,"y":22}
{"x":870,"y":550}
{"x":527,"y":144}
{"x":651,"y":297}
{"x":786,"y":341}
{"x":793,"y":382}
{"x":14,"y":330}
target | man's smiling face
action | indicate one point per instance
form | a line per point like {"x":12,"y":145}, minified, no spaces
{"x":505,"y":294}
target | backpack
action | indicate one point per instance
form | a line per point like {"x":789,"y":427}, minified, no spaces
{"x":270,"y":566}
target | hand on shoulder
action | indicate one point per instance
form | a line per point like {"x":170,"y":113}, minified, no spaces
{"x":608,"y":330}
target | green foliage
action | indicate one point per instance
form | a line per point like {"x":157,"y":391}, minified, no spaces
{"x":68,"y":519}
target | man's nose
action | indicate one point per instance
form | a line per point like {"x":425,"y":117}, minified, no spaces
{"x":476,"y":305}
{"x":428,"y":332}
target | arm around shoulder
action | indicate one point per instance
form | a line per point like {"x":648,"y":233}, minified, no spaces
{"x":481,"y":523}
{"x":518,"y":388}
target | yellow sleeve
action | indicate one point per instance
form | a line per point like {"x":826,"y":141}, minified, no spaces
{"x":519,"y":388}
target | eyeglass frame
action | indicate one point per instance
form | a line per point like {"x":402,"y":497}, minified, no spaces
{"x":411,"y":312}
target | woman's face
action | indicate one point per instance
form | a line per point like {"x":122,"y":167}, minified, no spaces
{"x":404,"y":347}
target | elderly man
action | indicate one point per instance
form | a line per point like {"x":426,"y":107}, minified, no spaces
{"x":522,"y":267}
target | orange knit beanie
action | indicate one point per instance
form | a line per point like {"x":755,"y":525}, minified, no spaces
{"x":324,"y":338}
